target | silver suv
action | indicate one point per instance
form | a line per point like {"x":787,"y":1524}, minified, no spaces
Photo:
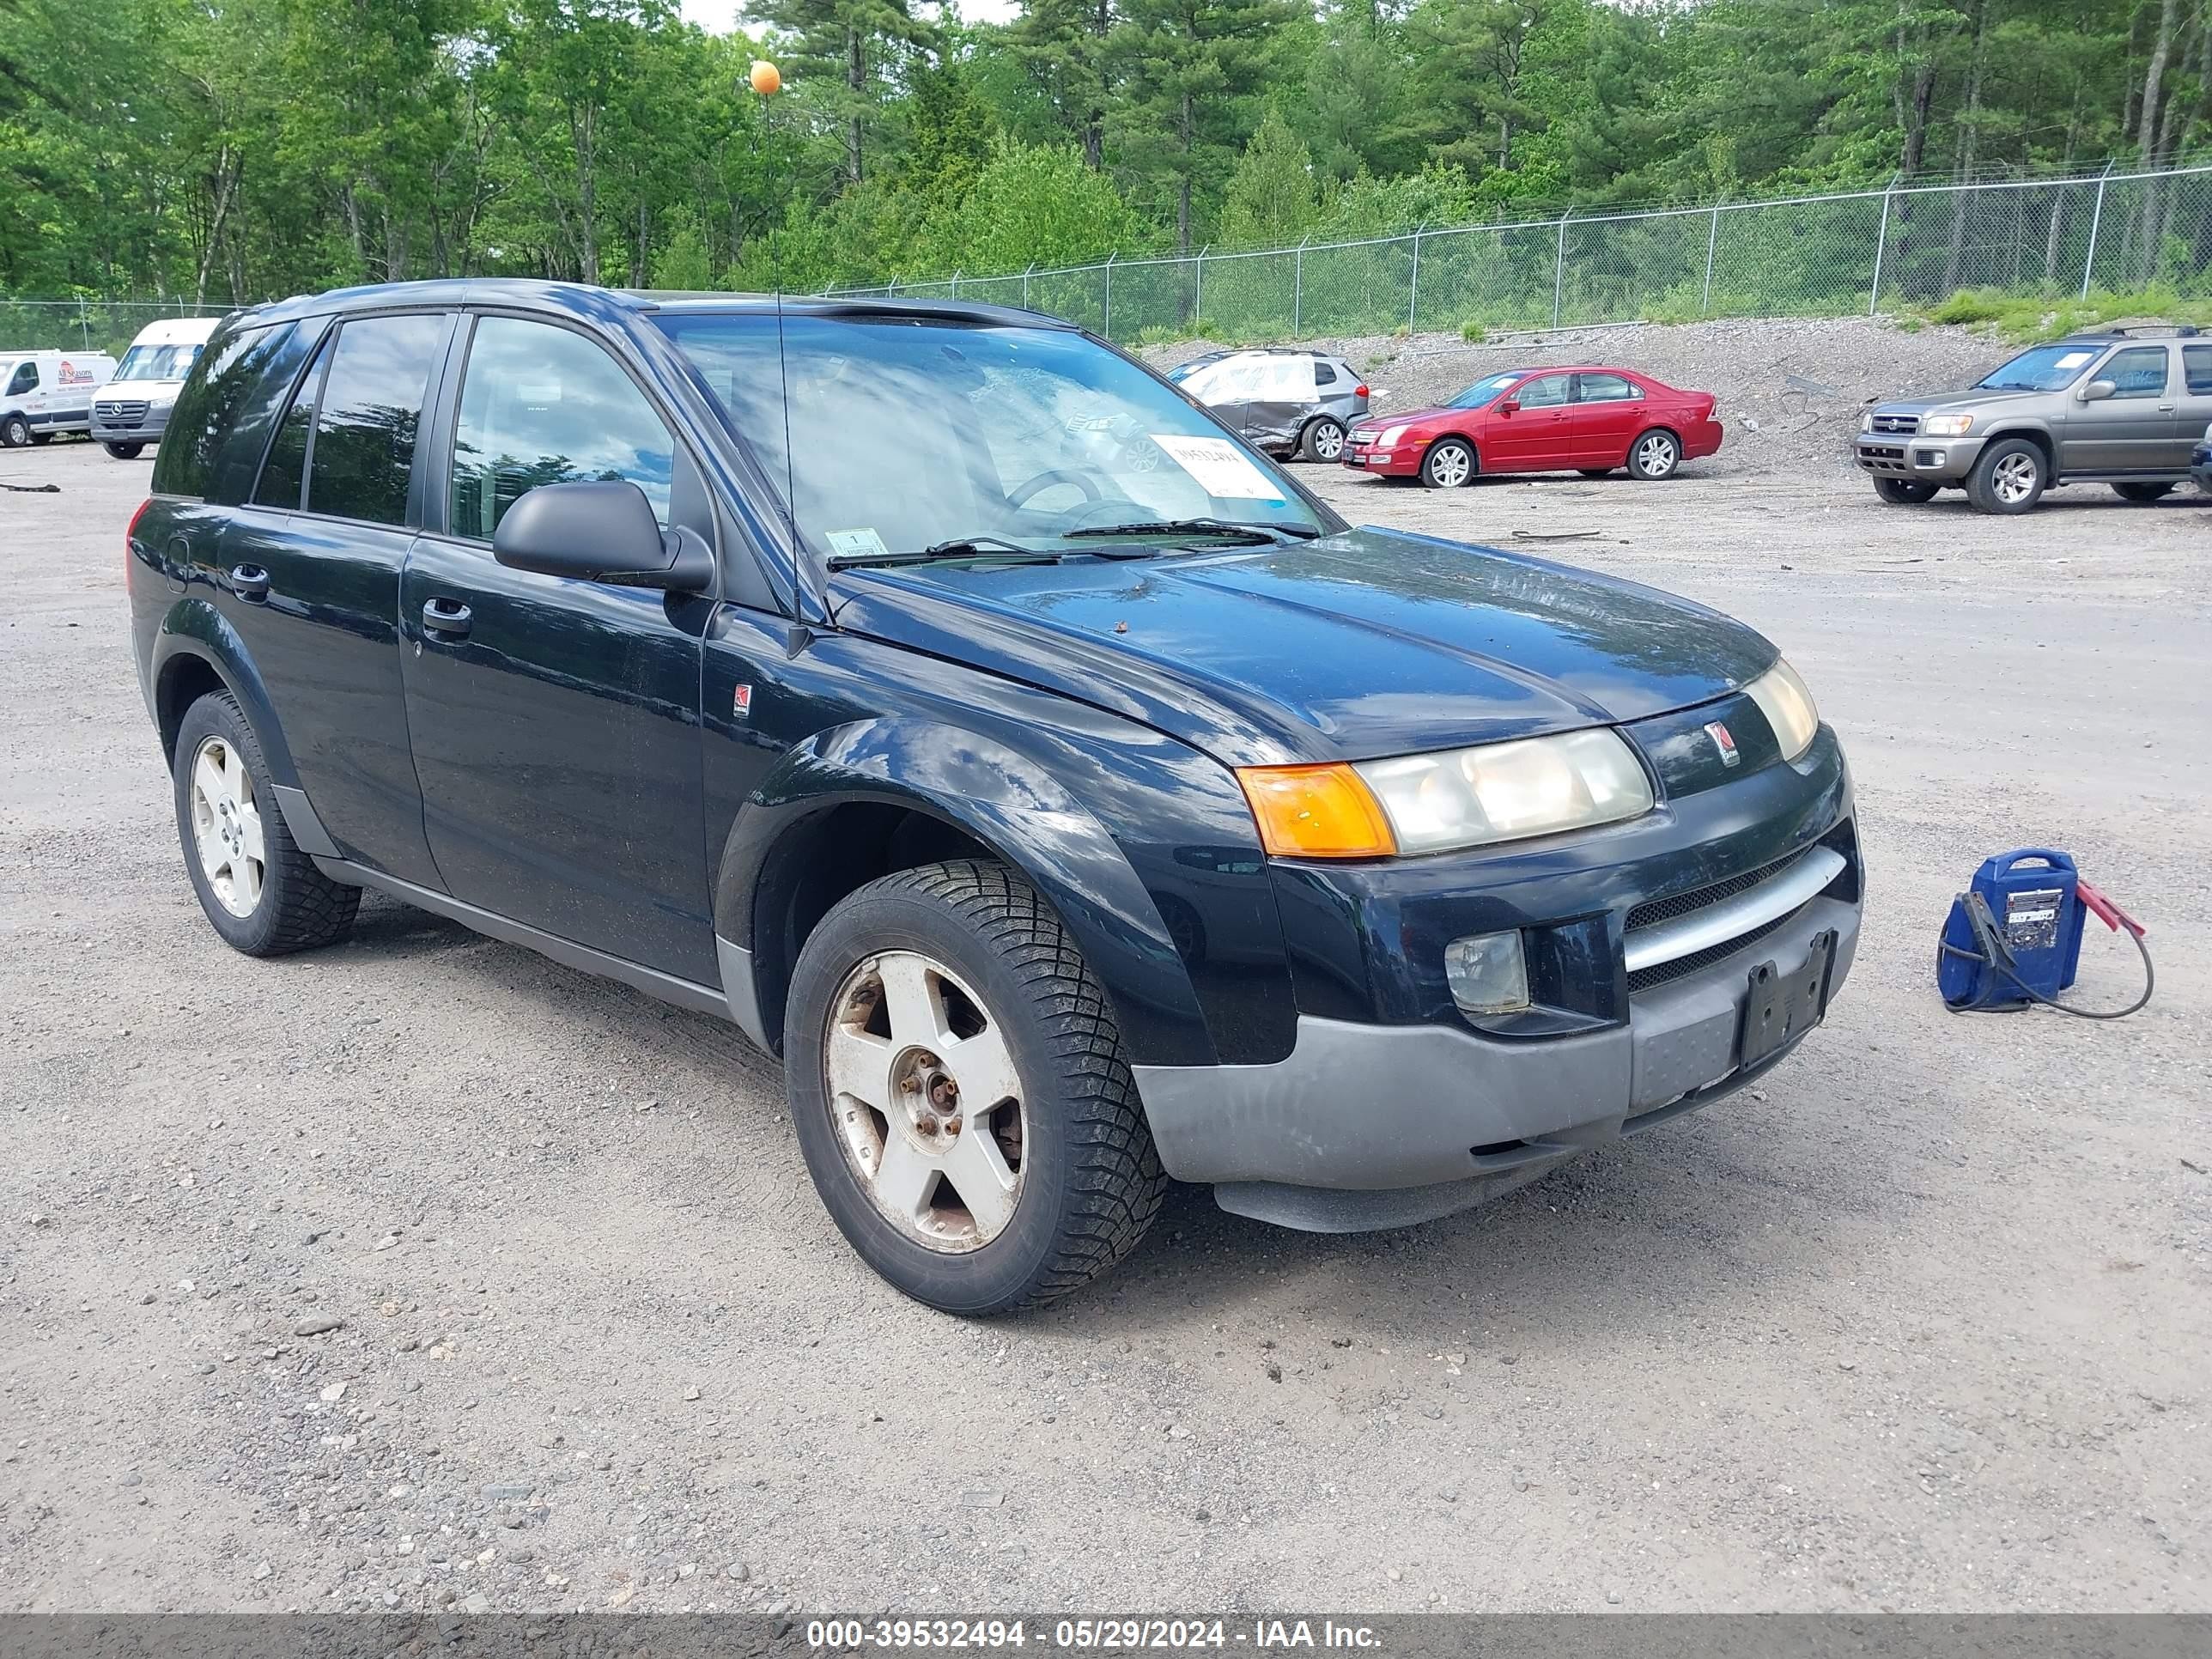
{"x":2123,"y":407}
{"x":1286,"y":400}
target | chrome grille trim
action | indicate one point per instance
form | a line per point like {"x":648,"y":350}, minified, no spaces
{"x":1745,"y":913}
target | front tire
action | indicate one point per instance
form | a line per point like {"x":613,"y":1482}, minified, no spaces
{"x":1905,"y":492}
{"x":15,"y":432}
{"x":960,"y":1095}
{"x":261,"y":893}
{"x":1449,"y":465}
{"x":123,"y":452}
{"x":1323,"y":440}
{"x":1654,"y":455}
{"x":2143,"y":494}
{"x":2009,"y":478}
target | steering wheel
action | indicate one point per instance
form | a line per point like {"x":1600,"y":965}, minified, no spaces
{"x":1084,"y":479}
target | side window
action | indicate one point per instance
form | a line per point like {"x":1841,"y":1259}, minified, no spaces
{"x":1545,"y":392}
{"x":27,"y":379}
{"x":2138,"y":372}
{"x":2197,"y":369}
{"x":222,"y":382}
{"x":286,"y":469}
{"x":365,"y":421}
{"x":1608,"y":389}
{"x":540,"y":405}
{"x":1324,"y":374}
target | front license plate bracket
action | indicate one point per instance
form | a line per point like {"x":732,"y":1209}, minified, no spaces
{"x":1782,"y":1007}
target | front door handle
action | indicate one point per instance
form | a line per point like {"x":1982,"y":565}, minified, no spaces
{"x":447,"y":617}
{"x":250,"y":582}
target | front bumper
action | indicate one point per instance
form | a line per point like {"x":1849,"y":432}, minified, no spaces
{"x":1384,"y":1126}
{"x":1402,"y":462}
{"x":1912,"y":455}
{"x":134,"y":424}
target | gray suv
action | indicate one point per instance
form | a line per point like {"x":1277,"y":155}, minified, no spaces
{"x":2123,"y":407}
{"x":1283,"y":400}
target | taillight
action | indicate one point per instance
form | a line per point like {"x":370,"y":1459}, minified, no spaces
{"x":130,"y":540}
{"x":1359,"y":392}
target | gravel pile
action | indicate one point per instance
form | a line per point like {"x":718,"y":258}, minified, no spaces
{"x":1791,"y":389}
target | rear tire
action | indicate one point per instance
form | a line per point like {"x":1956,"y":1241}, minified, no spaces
{"x":1654,"y":455}
{"x":1905,"y":492}
{"x":1449,"y":465}
{"x":15,"y":432}
{"x":1034,"y":1172}
{"x":2143,"y":494}
{"x":2009,"y":478}
{"x":123,"y":452}
{"x":261,"y":893}
{"x":1323,"y":440}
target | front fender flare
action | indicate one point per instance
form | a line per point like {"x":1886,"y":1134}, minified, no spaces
{"x":1000,"y":798}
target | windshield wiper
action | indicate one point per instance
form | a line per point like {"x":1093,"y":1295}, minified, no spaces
{"x":994,"y":548}
{"x":1253,"y":532}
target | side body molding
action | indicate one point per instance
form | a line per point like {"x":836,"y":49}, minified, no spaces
{"x":1011,"y":803}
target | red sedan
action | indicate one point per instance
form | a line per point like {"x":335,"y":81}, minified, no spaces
{"x":1541,"y":420}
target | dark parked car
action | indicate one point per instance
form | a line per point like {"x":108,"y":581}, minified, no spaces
{"x":2119,"y":406}
{"x":1585,"y":419}
{"x":1066,"y":823}
{"x":1286,"y":400}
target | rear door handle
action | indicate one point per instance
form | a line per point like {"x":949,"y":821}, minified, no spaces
{"x":447,"y":617}
{"x":250,"y":582}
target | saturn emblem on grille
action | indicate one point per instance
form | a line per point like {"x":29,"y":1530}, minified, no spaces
{"x":1723,"y":741}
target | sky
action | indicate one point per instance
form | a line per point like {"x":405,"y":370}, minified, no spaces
{"x":718,"y":15}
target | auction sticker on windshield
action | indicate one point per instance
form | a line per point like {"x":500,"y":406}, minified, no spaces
{"x":863,"y":543}
{"x":1219,"y":466}
{"x":2074,"y":358}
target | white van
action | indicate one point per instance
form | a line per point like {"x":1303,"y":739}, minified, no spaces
{"x":43,"y":392}
{"x":131,"y":412}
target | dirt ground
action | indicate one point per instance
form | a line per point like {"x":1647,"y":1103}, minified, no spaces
{"x":1921,"y":1324}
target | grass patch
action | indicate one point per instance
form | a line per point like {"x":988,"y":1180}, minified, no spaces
{"x":2026,"y":321}
{"x":1473,"y":333}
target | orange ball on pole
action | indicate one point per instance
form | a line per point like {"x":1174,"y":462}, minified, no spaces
{"x":766,"y":79}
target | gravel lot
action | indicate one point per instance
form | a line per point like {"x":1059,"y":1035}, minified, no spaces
{"x":423,"y":1270}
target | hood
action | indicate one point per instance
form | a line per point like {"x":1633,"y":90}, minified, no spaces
{"x":1401,"y":417}
{"x":1946,"y":400}
{"x":1362,"y":645}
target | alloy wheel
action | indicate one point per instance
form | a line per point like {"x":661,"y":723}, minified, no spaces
{"x":1449,"y":467}
{"x":1656,"y":455}
{"x":1328,"y":440}
{"x":226,"y":827}
{"x":925,"y":1101}
{"x":2013,"y":479}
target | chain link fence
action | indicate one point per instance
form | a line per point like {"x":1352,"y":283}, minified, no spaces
{"x":106,"y":325}
{"x":1803,"y":256}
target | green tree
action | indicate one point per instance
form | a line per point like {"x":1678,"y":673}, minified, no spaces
{"x":844,"y":54}
{"x":1271,"y":198}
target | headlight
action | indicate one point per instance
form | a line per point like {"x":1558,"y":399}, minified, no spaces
{"x":1461,"y":797}
{"x":1390,"y":436}
{"x":1866,"y":422}
{"x":1788,"y":706}
{"x":2208,"y":434}
{"x":1948,"y":426}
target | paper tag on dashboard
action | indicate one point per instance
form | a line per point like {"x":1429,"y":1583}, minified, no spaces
{"x":862,"y":543}
{"x":1219,"y":466}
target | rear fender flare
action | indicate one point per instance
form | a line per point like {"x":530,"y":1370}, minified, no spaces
{"x":193,"y":630}
{"x":1005,"y":801}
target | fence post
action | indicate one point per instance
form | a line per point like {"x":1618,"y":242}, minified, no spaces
{"x":1299,"y":284}
{"x":2096,"y":219}
{"x":955,"y":284}
{"x":1559,"y":267}
{"x":1025,"y":285}
{"x":1712,"y":240}
{"x":1198,"y":300}
{"x":1414,"y":289}
{"x":83,"y":323}
{"x":1107,"y":330}
{"x":1881,"y":249}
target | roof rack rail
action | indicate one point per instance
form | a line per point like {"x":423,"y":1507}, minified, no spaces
{"x":2142,"y":331}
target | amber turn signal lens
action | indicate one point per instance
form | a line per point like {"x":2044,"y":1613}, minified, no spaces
{"x":1317,"y":812}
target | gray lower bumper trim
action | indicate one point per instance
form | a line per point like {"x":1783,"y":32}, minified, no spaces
{"x":1378,"y":1108}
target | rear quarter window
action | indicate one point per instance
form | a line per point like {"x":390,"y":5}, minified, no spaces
{"x":220,"y":389}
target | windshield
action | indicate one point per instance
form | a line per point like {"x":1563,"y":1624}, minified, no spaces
{"x":907,"y":433}
{"x":157,"y":363}
{"x":1483,"y":392}
{"x":2046,"y":368}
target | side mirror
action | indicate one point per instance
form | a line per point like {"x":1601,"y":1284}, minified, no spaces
{"x":1510,"y":406}
{"x":2098,"y":391}
{"x":600,"y":530}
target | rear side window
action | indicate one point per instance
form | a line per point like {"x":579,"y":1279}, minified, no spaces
{"x":221,"y":383}
{"x":366,"y":419}
{"x":1609,"y":389}
{"x":1324,"y":374}
{"x":2197,"y":369}
{"x":540,"y":405}
{"x":2138,"y":372}
{"x":285,"y":471}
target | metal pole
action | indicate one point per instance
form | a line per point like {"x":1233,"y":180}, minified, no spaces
{"x":1880,"y":250}
{"x":955,"y":284}
{"x":1559,"y":268}
{"x":83,"y":323}
{"x":1108,"y":331}
{"x":2096,"y":219}
{"x":1413,"y":292}
{"x":1712,"y":240}
{"x":1299,"y":284}
{"x":1198,"y":300}
{"x":1025,"y":285}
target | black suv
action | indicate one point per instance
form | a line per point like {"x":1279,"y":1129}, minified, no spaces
{"x":1070,"y":800}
